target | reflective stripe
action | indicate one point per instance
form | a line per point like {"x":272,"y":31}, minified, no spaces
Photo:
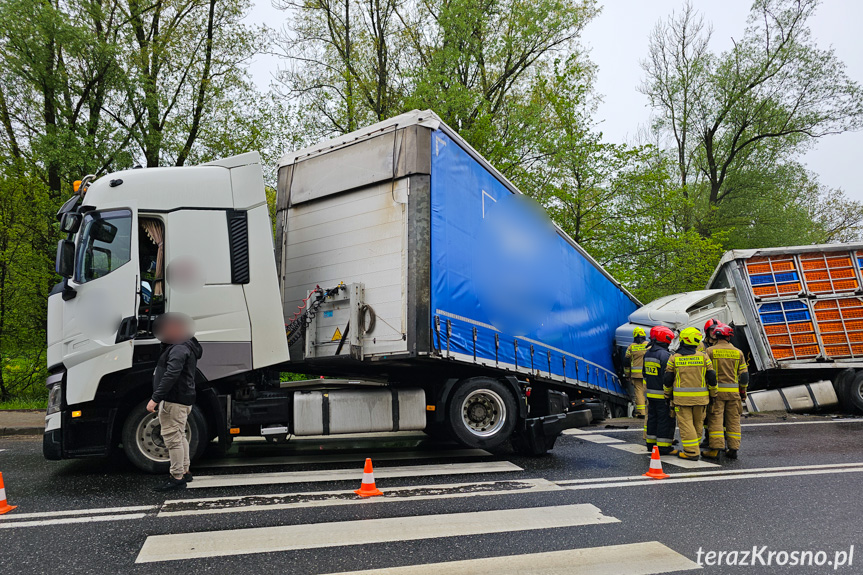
{"x":649,"y":440}
{"x":689,"y":389}
{"x":655,"y":395}
{"x":732,"y":434}
{"x":691,"y":442}
{"x":2,"y":494}
{"x":729,"y":389}
{"x":636,"y":370}
{"x":664,"y":442}
{"x":639,"y":407}
{"x":691,"y":393}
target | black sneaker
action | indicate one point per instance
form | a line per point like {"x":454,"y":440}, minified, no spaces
{"x":187,"y":477}
{"x":171,"y":484}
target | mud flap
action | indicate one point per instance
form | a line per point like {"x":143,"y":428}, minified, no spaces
{"x":540,"y":433}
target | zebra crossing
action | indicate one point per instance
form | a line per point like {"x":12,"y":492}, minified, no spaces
{"x":635,"y":448}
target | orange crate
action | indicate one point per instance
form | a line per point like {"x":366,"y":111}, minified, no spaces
{"x":853,"y":325}
{"x":833,"y":338}
{"x":827,"y":314}
{"x":813,"y":264}
{"x":817,"y":275}
{"x":820,"y":287}
{"x":828,"y":327}
{"x":841,"y":262}
{"x":775,"y":329}
{"x":837,"y":350}
{"x":841,"y":273}
{"x":765,"y":291}
{"x":806,"y":350}
{"x":845,"y":285}
{"x":804,"y":338}
{"x":777,"y":340}
{"x":793,"y":287}
{"x":857,"y":350}
{"x":801,"y":327}
{"x":755,"y":269}
{"x":782,"y":353}
{"x":851,"y":302}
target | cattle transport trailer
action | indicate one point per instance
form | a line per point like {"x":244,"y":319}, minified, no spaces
{"x":798,"y":316}
{"x":429,"y":291}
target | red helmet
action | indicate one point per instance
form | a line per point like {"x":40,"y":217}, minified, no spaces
{"x":723,"y":330}
{"x":711,"y":323}
{"x":661,"y":334}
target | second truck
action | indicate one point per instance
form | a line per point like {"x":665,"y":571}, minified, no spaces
{"x":405,"y":268}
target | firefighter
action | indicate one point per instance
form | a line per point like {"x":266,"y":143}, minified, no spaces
{"x":633,"y":365}
{"x":708,"y":334}
{"x":723,"y":418}
{"x":689,"y":382}
{"x":659,"y":425}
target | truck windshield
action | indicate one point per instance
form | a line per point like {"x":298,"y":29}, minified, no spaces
{"x":104,"y":244}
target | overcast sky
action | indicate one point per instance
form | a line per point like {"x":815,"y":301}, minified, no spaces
{"x":617,"y":40}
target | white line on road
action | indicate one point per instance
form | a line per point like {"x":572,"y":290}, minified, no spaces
{"x":278,"y":501}
{"x":338,"y":458}
{"x":669,"y":459}
{"x":66,"y":512}
{"x":318,"y":535}
{"x":695,"y":478}
{"x":773,"y":423}
{"x":65,"y":520}
{"x":596,"y":438}
{"x":351,"y":474}
{"x":647,"y":558}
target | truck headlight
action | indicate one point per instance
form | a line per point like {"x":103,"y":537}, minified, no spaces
{"x":55,"y":398}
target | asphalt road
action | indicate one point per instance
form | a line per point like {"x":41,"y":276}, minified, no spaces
{"x":584,"y":508}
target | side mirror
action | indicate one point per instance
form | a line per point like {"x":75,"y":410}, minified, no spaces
{"x":146,"y":292}
{"x":65,"y":262}
{"x":70,"y":223}
{"x":103,"y":231}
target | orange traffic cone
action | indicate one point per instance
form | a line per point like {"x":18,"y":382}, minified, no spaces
{"x":4,"y":505}
{"x":368,"y":489}
{"x":655,"y":471}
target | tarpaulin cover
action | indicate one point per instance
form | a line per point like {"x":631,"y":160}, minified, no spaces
{"x":500,"y":267}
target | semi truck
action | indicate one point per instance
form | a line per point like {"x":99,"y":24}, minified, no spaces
{"x":412,"y":283}
{"x":797,"y":314}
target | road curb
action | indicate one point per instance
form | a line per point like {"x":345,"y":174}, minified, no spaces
{"x":5,"y":431}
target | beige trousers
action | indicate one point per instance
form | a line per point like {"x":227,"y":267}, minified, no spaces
{"x":172,"y":418}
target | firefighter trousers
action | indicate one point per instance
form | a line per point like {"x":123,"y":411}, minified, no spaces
{"x":660,"y":425}
{"x":690,"y":421}
{"x":640,"y":400}
{"x":723,"y":423}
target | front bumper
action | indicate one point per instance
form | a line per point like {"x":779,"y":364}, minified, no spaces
{"x":52,"y":444}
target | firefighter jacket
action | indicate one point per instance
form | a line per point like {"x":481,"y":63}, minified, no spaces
{"x":689,"y":377}
{"x":655,"y":363}
{"x":731,"y":370}
{"x":633,"y":363}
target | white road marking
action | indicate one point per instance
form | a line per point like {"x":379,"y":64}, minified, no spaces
{"x":641,"y":449}
{"x":773,"y":423}
{"x":351,"y":474}
{"x":595,"y":438}
{"x":603,"y":483}
{"x":66,"y":512}
{"x":318,"y":535}
{"x":244,"y":503}
{"x":638,"y":449}
{"x":647,"y":558}
{"x":66,"y":520}
{"x":337,"y":458}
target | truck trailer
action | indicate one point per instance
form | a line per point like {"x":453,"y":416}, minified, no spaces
{"x":413,"y":283}
{"x":797,"y":314}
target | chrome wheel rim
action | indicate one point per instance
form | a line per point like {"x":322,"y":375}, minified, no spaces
{"x":483,"y":412}
{"x":148,"y":437}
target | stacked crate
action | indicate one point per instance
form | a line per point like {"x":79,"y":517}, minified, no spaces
{"x":809,"y":305}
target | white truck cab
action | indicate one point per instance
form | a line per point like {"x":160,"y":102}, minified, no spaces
{"x":140,"y":243}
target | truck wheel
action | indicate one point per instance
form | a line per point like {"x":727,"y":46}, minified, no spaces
{"x":142,"y":440}
{"x":482,"y":413}
{"x":854,"y":391}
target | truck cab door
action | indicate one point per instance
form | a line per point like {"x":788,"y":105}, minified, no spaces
{"x":100,"y":306}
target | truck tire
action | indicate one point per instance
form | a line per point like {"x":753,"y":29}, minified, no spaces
{"x":482,"y":413}
{"x":854,"y":391}
{"x":142,"y":441}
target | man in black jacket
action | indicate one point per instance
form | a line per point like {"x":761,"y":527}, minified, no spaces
{"x":174,"y":391}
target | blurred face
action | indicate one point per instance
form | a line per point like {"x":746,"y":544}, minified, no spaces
{"x":172,"y":328}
